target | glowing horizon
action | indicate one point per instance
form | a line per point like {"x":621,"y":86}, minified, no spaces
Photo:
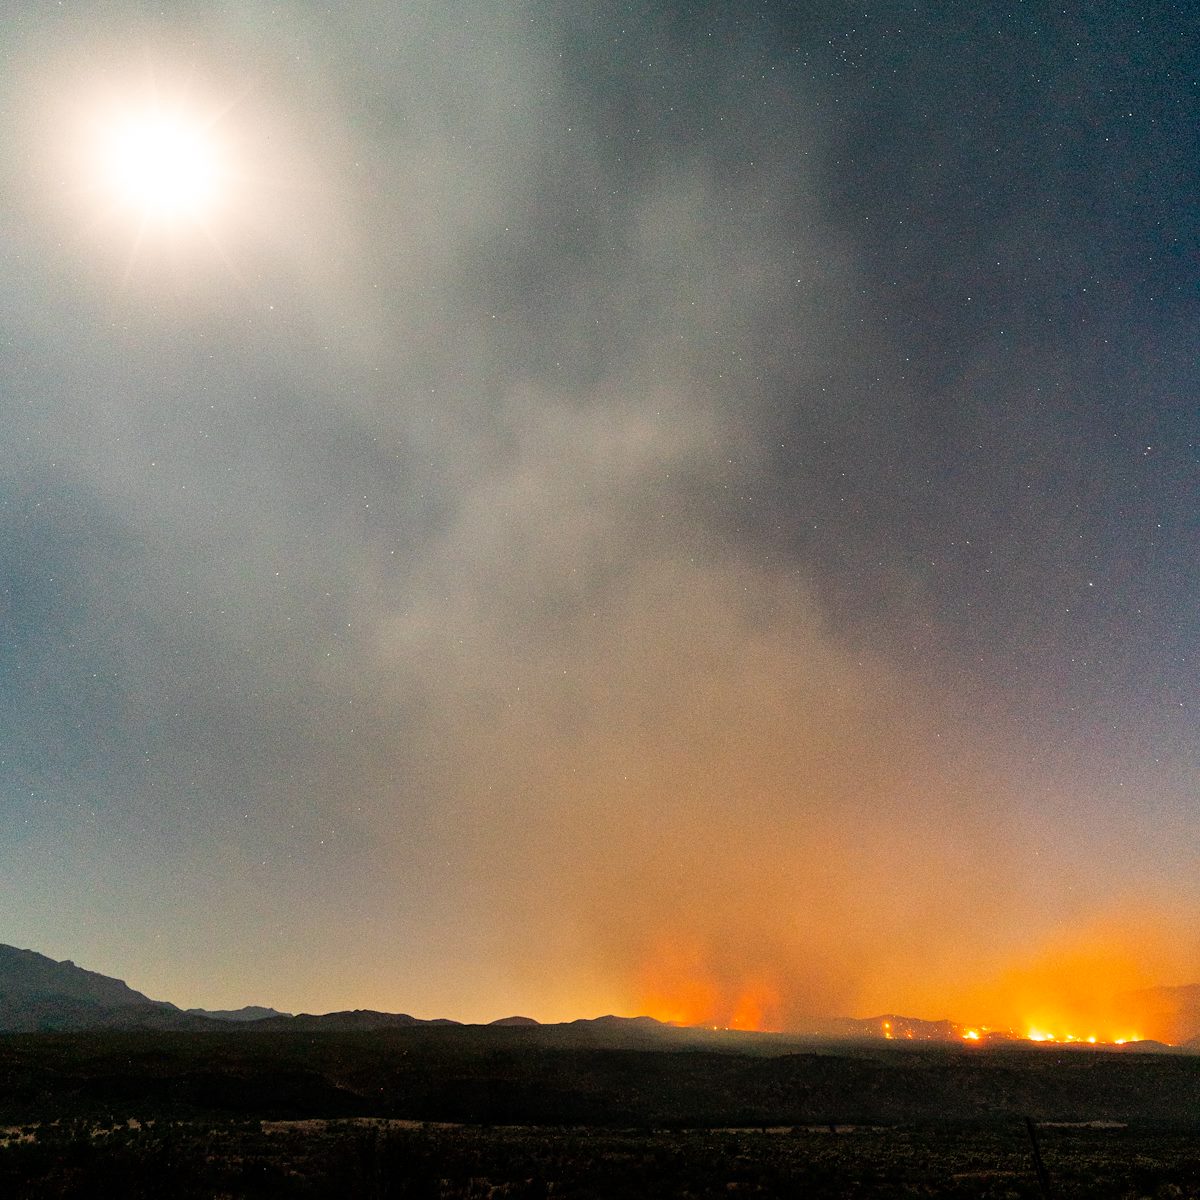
{"x":1101,"y":985}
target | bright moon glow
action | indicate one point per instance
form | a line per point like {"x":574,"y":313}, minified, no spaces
{"x":160,"y":165}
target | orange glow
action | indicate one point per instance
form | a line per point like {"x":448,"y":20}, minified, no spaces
{"x":689,"y":1002}
{"x":1105,"y":1026}
{"x":1091,"y":1039}
{"x":752,"y":1007}
{"x":680,"y":987}
{"x":1095,"y":988}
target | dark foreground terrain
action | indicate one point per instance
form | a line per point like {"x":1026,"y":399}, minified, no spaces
{"x":360,"y":1157}
{"x":476,"y":1112}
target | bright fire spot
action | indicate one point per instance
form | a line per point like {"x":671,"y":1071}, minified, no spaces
{"x":1092,"y":1039}
{"x":1098,"y":988}
{"x":971,"y":1035}
{"x":160,"y":164}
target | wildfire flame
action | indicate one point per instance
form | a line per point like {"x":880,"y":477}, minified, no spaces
{"x":680,"y":987}
{"x":1091,"y":1039}
{"x":1092,"y":991}
{"x":1092,"y":987}
{"x":699,"y":1003}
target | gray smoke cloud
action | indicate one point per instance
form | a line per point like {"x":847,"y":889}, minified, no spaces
{"x":396,"y":618}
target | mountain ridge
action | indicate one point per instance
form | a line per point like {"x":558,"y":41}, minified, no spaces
{"x":248,"y":1012}
{"x":39,"y":994}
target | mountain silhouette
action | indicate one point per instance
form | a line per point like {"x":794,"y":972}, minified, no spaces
{"x":359,"y":1018}
{"x":251,"y":1012}
{"x":38,"y":994}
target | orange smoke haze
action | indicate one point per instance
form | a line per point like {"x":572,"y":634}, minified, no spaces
{"x":1100,"y":986}
{"x":708,"y":807}
{"x":679,"y":987}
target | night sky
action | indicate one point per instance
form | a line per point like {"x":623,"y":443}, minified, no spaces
{"x":684,"y":508}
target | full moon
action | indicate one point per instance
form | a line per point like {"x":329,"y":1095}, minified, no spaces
{"x":160,"y":165}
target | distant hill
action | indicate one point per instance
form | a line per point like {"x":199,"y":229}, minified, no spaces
{"x":251,"y":1012}
{"x":611,"y":1022}
{"x":27,"y":974}
{"x":357,"y":1019}
{"x":39,"y":994}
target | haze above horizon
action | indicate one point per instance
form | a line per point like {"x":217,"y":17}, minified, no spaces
{"x":553,"y":508}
